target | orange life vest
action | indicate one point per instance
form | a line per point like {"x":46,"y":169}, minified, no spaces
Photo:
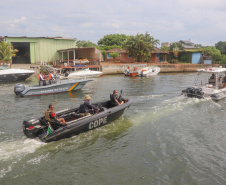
{"x":50,"y":77}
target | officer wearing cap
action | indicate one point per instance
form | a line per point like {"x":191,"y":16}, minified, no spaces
{"x":86,"y":108}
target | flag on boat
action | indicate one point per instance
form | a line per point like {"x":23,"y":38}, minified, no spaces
{"x":49,"y":130}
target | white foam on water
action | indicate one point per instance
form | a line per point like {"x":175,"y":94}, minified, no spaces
{"x":147,"y":97}
{"x":18,"y":148}
{"x":165,"y":108}
{"x":15,"y":150}
{"x":38,"y":159}
{"x":4,"y":171}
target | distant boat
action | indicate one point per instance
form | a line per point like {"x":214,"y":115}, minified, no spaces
{"x":61,"y":86}
{"x":12,"y":75}
{"x":146,"y":71}
{"x":85,"y":73}
{"x":149,"y":71}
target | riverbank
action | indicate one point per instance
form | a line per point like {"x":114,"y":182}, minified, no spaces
{"x":119,"y":68}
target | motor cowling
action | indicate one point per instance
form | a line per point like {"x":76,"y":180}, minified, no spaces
{"x":18,"y":88}
{"x":193,"y":92}
{"x":32,"y":127}
{"x":199,"y":93}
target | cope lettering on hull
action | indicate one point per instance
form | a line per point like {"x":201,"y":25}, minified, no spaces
{"x":98,"y":123}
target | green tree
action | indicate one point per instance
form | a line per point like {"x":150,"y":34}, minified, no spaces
{"x":104,"y":54}
{"x":198,"y":46}
{"x":114,"y":55}
{"x":140,"y":46}
{"x":212,"y":51}
{"x":165,"y":48}
{"x":177,"y":45}
{"x":86,"y":44}
{"x":7,"y":51}
{"x":221,"y":46}
{"x":112,"y":40}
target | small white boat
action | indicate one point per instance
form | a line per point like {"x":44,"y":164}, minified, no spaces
{"x":146,"y":71}
{"x":85,"y":73}
{"x":149,"y":71}
{"x":214,"y":88}
{"x":12,"y":75}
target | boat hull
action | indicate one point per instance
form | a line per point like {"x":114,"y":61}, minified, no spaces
{"x":84,"y":124}
{"x":65,"y":85}
{"x":76,"y":76}
{"x":13,"y":77}
{"x":85,"y":74}
{"x":149,"y":71}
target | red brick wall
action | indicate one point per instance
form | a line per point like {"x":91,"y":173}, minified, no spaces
{"x":153,"y":58}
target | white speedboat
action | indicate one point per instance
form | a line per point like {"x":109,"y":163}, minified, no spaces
{"x":12,"y":75}
{"x":85,"y":73}
{"x":214,"y":88}
{"x":149,"y":71}
{"x":146,"y":71}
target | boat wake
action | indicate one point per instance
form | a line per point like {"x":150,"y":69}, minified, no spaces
{"x":165,"y":108}
{"x":11,"y":152}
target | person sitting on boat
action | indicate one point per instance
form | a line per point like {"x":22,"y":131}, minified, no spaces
{"x":86,"y":108}
{"x":127,"y":71}
{"x":212,"y":79}
{"x":116,"y":100}
{"x":51,"y":78}
{"x":52,"y":117}
{"x":213,"y":76}
{"x":41,"y":79}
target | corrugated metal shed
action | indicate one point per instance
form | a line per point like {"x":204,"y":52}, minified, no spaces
{"x":33,"y":50}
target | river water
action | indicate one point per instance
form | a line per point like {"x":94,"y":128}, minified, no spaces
{"x":163,"y":138}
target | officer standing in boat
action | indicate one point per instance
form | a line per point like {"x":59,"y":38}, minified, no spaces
{"x":86,"y":108}
{"x":41,"y":79}
{"x":51,"y":78}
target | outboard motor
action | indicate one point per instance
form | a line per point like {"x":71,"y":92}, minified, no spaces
{"x":190,"y":91}
{"x":198,"y":93}
{"x":193,"y":92}
{"x":32,"y":127}
{"x":18,"y":88}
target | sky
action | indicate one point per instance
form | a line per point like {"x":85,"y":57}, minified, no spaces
{"x":201,"y":21}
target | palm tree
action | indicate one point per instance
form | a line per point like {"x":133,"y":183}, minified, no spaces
{"x":140,"y":46}
{"x":7,"y":51}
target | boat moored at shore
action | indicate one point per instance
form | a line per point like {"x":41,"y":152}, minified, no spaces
{"x":85,"y":73}
{"x":75,"y":123}
{"x":12,"y":75}
{"x":146,"y":71}
{"x":214,"y":88}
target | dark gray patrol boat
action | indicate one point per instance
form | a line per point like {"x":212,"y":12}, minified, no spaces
{"x":75,"y":124}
